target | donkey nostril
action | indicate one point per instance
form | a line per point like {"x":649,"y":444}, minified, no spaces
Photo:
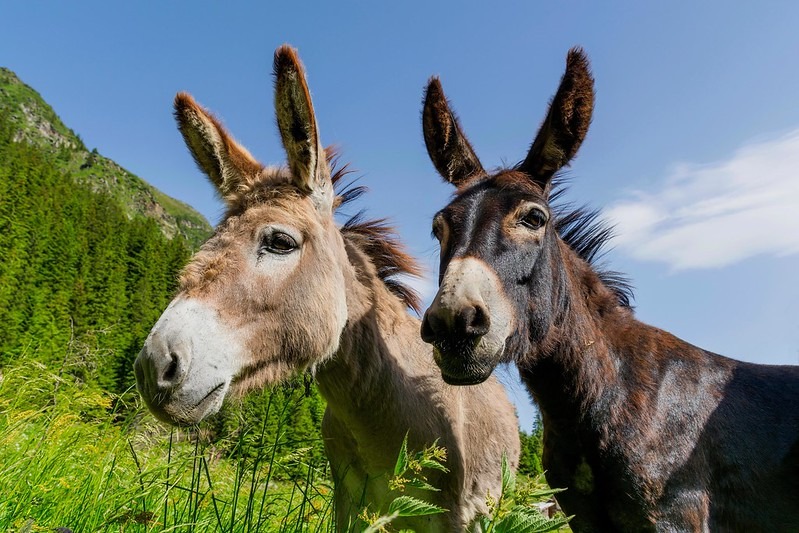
{"x":428,"y":331}
{"x":473,"y":321}
{"x":482,"y":322}
{"x":172,"y":368}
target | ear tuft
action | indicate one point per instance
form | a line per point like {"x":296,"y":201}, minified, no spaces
{"x":566,"y":123}
{"x":228,"y":165}
{"x":183,"y":100}
{"x":447,"y":146}
{"x":287,"y":61}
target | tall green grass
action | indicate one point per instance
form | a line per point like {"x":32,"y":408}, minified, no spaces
{"x":76,"y":458}
{"x":80,"y":458}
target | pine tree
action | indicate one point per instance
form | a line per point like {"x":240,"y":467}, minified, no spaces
{"x":532,"y":447}
{"x":74,"y":268}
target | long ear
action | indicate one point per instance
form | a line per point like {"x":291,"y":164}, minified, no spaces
{"x":448,"y":147}
{"x":229,"y":165}
{"x":298,"y":129}
{"x":566,"y":123}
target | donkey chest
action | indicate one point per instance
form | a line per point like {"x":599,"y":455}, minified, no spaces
{"x":602,"y":493}
{"x":623,"y":476}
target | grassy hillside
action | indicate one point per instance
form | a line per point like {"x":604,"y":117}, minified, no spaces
{"x":36,"y":123}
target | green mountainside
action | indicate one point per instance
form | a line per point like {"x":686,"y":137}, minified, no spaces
{"x":35,"y":123}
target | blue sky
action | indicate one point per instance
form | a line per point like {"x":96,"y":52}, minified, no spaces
{"x":692,"y":151}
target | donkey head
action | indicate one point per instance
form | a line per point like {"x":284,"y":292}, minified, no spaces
{"x":264,"y":297}
{"x":500,"y":275}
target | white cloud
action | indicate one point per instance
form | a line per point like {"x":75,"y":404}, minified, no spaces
{"x":710,"y":216}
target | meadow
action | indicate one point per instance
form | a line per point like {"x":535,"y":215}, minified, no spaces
{"x":82,"y":459}
{"x":76,"y":458}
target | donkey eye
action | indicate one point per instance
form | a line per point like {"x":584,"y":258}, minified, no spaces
{"x":535,"y":219}
{"x":437,"y":230}
{"x":438,"y":227}
{"x":278,"y":243}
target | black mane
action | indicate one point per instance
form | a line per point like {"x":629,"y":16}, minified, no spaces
{"x":587,"y":234}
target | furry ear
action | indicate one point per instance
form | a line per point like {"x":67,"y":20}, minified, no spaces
{"x":447,"y":146}
{"x":298,"y":130}
{"x":566,"y":123}
{"x":229,"y":165}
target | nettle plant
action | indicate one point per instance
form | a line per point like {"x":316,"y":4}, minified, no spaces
{"x":514,"y":510}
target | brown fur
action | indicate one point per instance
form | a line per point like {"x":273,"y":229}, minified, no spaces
{"x":376,"y":238}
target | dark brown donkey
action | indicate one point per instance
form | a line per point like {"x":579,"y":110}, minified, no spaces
{"x":281,"y":287}
{"x":647,"y":431}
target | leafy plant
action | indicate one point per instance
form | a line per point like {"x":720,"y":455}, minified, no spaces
{"x":409,"y":473}
{"x":514,"y":510}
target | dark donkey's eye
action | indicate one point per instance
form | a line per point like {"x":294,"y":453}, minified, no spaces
{"x":278,"y":243}
{"x":535,"y":219}
{"x":436,"y":230}
{"x":438,"y":227}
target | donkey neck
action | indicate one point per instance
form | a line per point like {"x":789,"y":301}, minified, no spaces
{"x":380,"y":357}
{"x":577,"y":363}
{"x":599,"y":362}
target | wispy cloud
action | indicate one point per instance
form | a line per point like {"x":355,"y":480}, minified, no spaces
{"x":714,"y":215}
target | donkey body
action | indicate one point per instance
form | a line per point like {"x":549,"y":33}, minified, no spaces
{"x":648,"y":432}
{"x":280,"y":287}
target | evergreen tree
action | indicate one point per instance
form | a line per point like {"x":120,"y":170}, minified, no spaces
{"x":74,"y":267}
{"x":532,"y":447}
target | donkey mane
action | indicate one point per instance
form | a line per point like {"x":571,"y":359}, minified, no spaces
{"x":584,"y":231}
{"x":375,"y":237}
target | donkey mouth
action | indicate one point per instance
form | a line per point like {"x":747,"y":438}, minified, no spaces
{"x":175,"y":411}
{"x":210,"y":398}
{"x":463,"y":380}
{"x":460,"y":367}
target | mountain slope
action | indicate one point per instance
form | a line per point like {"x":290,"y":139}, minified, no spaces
{"x":36,"y":123}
